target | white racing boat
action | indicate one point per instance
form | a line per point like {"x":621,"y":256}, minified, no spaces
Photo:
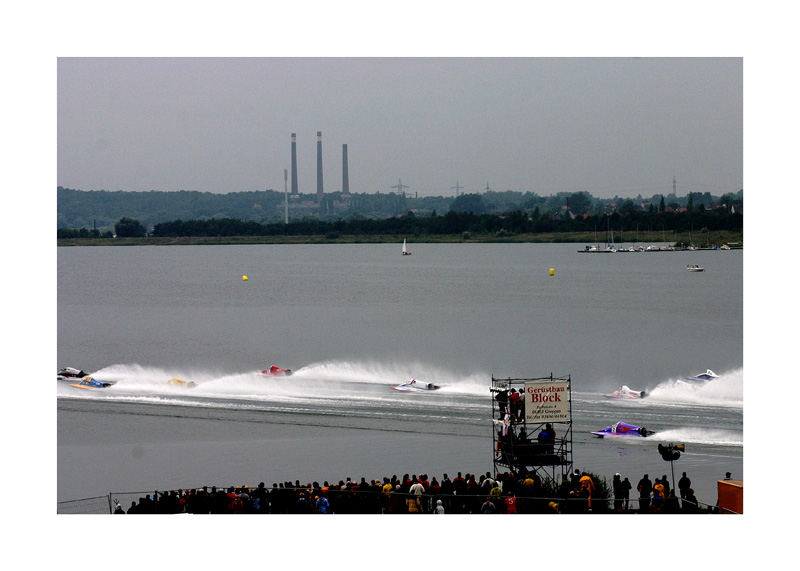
{"x":625,"y":392}
{"x":416,"y":386}
{"x":709,"y":375}
{"x":70,"y":374}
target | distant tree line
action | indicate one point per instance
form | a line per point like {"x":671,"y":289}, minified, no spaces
{"x":100,"y":210}
{"x":451,"y":223}
{"x":125,"y":228}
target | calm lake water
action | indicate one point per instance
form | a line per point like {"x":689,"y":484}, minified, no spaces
{"x":354,"y":320}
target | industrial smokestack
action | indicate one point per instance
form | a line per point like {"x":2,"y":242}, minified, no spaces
{"x":294,"y":163}
{"x":319,"y":166}
{"x":345,"y":178}
{"x":285,"y":198}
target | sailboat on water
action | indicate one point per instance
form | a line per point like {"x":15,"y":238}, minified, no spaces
{"x":405,"y":249}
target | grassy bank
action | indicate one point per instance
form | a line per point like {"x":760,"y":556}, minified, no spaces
{"x":700,"y":239}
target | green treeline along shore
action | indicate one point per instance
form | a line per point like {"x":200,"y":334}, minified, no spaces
{"x":700,"y":226}
{"x":105,"y":218}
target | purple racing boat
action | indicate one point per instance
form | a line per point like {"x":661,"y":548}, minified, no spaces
{"x":624,"y":429}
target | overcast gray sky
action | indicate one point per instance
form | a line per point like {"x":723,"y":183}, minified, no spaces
{"x":610,"y":126}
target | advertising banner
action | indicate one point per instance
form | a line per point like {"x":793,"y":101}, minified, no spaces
{"x":547,"y":401}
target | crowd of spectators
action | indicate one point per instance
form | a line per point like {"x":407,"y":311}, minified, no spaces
{"x":656,"y":496}
{"x":509,"y":493}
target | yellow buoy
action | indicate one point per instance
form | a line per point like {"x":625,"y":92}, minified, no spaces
{"x":244,"y":278}
{"x":552,"y":271}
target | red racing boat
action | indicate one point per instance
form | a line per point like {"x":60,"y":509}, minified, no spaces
{"x":274,"y":371}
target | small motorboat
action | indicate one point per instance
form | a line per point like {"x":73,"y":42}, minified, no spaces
{"x":417,"y":386}
{"x":70,"y":374}
{"x":624,"y":429}
{"x":625,"y":392}
{"x":694,"y":268}
{"x":274,"y":371}
{"x":176,"y":382}
{"x":709,"y":375}
{"x":91,"y":383}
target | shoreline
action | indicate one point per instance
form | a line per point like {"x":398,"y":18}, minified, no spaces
{"x":734,"y":239}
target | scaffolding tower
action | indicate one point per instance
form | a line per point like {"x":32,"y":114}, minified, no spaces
{"x":532,"y":431}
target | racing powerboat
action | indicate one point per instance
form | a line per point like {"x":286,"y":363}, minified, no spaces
{"x":176,"y":382}
{"x":625,"y":392}
{"x":274,"y":371}
{"x":709,"y":375}
{"x":417,"y":386}
{"x":89,"y":382}
{"x":624,"y":429}
{"x":70,"y":374}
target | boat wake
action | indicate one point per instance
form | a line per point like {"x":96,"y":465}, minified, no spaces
{"x":718,"y":437}
{"x":396,"y":373}
{"x":725,"y":391}
{"x":326,"y":381}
